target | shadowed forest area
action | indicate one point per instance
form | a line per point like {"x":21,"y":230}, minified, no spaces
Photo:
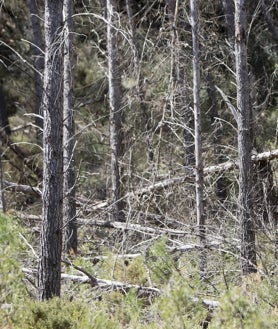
{"x":138,"y":172}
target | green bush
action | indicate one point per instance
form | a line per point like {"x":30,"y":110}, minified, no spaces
{"x":12,"y":287}
{"x":60,"y":314}
{"x":250,"y":306}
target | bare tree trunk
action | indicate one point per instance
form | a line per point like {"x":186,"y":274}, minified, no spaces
{"x":69,"y":203}
{"x":229,"y":11}
{"x":37,"y":51}
{"x":199,"y":170}
{"x":115,"y":98}
{"x":248,"y":252}
{"x":52,"y":195}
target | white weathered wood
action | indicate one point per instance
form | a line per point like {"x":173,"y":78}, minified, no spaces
{"x":121,"y":286}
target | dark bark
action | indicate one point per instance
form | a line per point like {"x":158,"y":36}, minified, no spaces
{"x":116,"y":115}
{"x":37,"y":48}
{"x":4,"y":120}
{"x":229,"y":12}
{"x":69,"y":203}
{"x":248,"y":251}
{"x":52,"y":196}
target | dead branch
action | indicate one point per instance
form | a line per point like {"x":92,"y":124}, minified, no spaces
{"x":21,"y":155}
{"x":129,"y":226}
{"x":228,"y":103}
{"x":101,"y":283}
{"x":156,"y":219}
{"x":216,"y":169}
{"x":222,"y":167}
{"x":22,"y":188}
{"x":159,"y":186}
{"x":122,"y":287}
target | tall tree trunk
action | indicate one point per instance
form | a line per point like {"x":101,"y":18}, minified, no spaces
{"x":52,"y":195}
{"x":37,"y":51}
{"x":115,"y":98}
{"x":248,"y":252}
{"x":69,"y":203}
{"x":229,"y":10}
{"x":199,"y":170}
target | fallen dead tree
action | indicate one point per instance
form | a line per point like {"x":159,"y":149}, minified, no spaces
{"x":213,"y":244}
{"x":130,"y":226}
{"x":21,"y":188}
{"x":119,"y":286}
{"x":215,"y":169}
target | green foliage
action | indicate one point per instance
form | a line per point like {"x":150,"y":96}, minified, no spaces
{"x":159,"y":262}
{"x":60,"y":314}
{"x":178,"y":307}
{"x":132,"y":271}
{"x":12,"y":288}
{"x":252,"y":305}
{"x":125,"y":310}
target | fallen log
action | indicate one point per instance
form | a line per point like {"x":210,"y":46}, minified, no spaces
{"x":22,"y":188}
{"x":215,"y":169}
{"x":121,"y":286}
{"x":129,"y":226}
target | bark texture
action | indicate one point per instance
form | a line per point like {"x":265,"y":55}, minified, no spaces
{"x":248,"y":252}
{"x":52,"y":195}
{"x":115,"y":97}
{"x":69,"y":203}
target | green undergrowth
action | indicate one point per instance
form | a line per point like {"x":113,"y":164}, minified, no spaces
{"x":12,"y":287}
{"x":251,"y":302}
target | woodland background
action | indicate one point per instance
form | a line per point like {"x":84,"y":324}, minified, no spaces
{"x":138,"y":258}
